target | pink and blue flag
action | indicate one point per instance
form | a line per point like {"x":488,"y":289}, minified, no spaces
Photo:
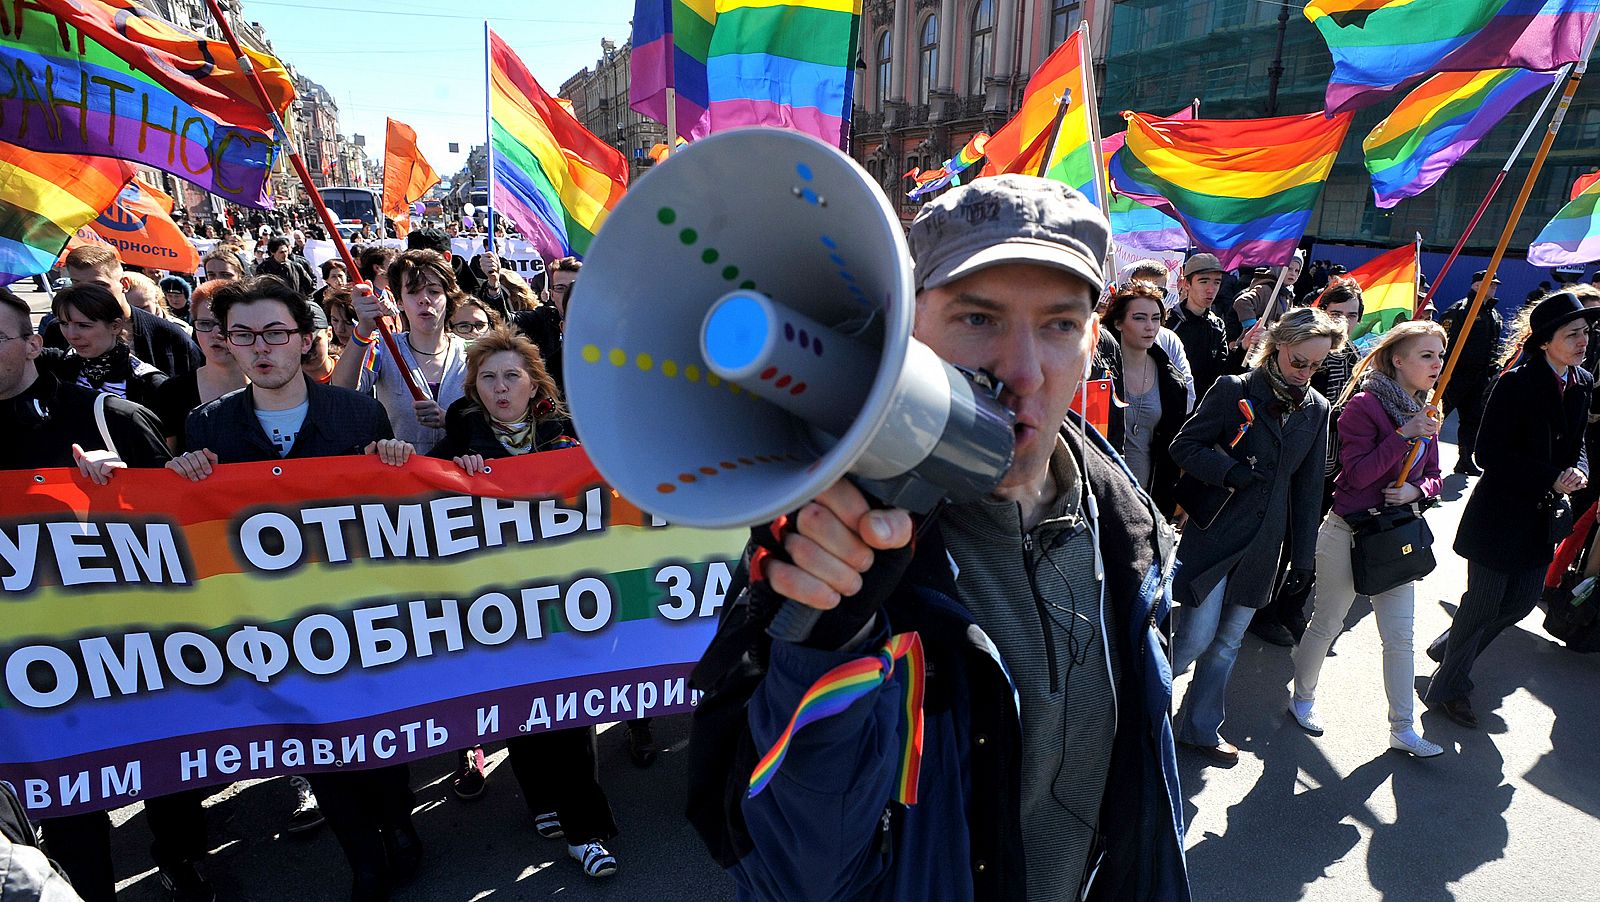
{"x":1382,"y":46}
{"x":1572,"y":237}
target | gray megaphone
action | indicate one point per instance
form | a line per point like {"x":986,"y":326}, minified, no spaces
{"x":741,"y":338}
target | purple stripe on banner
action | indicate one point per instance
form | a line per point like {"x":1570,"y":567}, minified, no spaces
{"x":733,"y":113}
{"x":129,"y":773}
{"x":1565,"y":253}
{"x":648,"y":93}
{"x":534,"y":227}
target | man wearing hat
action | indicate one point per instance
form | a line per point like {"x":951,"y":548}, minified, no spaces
{"x":1531,"y":450}
{"x":1046,"y":768}
{"x":1256,"y":304}
{"x":1203,"y":333}
{"x":1473,"y":370}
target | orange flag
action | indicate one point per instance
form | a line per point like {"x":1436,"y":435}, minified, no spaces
{"x":139,"y":226}
{"x":406,"y":175}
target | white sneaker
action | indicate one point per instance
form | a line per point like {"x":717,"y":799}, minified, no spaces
{"x":596,"y":860}
{"x":1411,"y":743}
{"x":1305,"y":714}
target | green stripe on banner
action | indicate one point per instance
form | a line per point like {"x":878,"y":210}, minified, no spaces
{"x":31,"y":227}
{"x":1406,"y":143}
{"x":690,"y":33}
{"x":818,"y":36}
{"x":1208,"y":207}
{"x":506,"y":146}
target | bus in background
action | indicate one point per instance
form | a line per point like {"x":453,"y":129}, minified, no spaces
{"x":351,"y":205}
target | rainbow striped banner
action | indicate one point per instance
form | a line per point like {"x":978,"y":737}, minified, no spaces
{"x":44,"y":199}
{"x":108,"y":78}
{"x":1041,"y":127}
{"x":1381,"y":46}
{"x":1243,"y":188}
{"x":1388,"y":294}
{"x":551,"y":176}
{"x":304,"y":615}
{"x":783,"y":63}
{"x":1145,"y":223}
{"x":1437,"y":124}
{"x":1572,"y":237}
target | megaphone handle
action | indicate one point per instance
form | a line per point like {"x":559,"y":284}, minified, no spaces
{"x":794,"y":621}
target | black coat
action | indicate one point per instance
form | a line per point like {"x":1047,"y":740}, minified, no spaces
{"x":338,"y":422}
{"x":1174,"y":410}
{"x":156,"y":340}
{"x":1531,"y":432}
{"x":1243,"y":542}
{"x":467,"y":431}
{"x":1477,"y":358}
{"x":1205,"y":343}
{"x":42,"y":423}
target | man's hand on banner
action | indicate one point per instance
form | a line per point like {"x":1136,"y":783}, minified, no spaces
{"x":392,"y":451}
{"x":471,"y":463}
{"x":97,"y":465}
{"x":193,"y":465}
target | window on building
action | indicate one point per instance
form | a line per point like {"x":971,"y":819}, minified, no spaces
{"x":928,"y":58}
{"x":884,"y":60}
{"x":1064,"y":18}
{"x":982,"y":48}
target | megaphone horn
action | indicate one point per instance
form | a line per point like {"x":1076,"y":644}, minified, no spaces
{"x":741,"y":339}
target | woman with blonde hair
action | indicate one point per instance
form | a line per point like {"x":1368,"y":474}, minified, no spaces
{"x":1385,"y":414}
{"x":1252,"y":457}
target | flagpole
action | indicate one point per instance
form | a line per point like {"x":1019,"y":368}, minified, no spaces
{"x":488,"y":140}
{"x":1091,"y":106}
{"x":1494,"y":188}
{"x":1574,"y":76}
{"x":1055,"y":132}
{"x":418,"y":392}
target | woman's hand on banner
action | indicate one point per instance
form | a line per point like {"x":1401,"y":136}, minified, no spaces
{"x":471,"y":463}
{"x":1424,"y":424}
{"x":1404,"y":494}
{"x":392,"y":451}
{"x":97,"y":466}
{"x":193,"y":465}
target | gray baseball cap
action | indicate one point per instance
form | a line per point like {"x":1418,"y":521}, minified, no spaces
{"x":1201,"y":263}
{"x":1008,"y":219}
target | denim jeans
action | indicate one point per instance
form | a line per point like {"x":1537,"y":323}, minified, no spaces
{"x":1208,"y":638}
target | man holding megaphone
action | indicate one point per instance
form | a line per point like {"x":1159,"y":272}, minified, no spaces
{"x":1046,"y":768}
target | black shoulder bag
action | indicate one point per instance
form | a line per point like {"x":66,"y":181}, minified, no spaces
{"x":1390,"y":546}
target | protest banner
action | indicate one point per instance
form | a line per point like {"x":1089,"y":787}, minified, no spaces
{"x":306,"y":615}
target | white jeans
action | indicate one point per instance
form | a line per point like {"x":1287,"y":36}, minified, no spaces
{"x":1335,"y":593}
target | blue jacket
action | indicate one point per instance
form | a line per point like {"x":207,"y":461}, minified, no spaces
{"x":825,"y":828}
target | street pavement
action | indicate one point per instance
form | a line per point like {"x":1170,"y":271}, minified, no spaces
{"x":1510,"y":811}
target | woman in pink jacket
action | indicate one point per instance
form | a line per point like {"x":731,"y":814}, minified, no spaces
{"x":1384,"y":412}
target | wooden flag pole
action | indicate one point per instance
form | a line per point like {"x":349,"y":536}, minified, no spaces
{"x":1494,"y":188}
{"x":418,"y":392}
{"x":1574,"y":77}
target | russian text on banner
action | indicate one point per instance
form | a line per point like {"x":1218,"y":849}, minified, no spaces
{"x":107,"y":78}
{"x":138,"y":225}
{"x":1381,"y":46}
{"x":1244,"y":189}
{"x":284,"y":617}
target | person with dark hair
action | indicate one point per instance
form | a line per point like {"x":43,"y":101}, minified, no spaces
{"x":545,"y":324}
{"x":1147,"y":382}
{"x":1253,"y":457}
{"x":494,"y":296}
{"x":341,"y":318}
{"x":1202,"y":332}
{"x":152,"y":339}
{"x":95,"y":324}
{"x":284,"y":414}
{"x":1531,"y":448}
{"x":437,"y":241}
{"x":334,"y":277}
{"x":176,"y":290}
{"x":373,"y":265}
{"x":428,"y":351}
{"x":282,"y":265}
{"x":1474,"y":368}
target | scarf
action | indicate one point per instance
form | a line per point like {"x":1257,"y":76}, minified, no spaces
{"x":516,"y":437}
{"x":115,"y":365}
{"x":1290,"y":398}
{"x":1398,"y":403}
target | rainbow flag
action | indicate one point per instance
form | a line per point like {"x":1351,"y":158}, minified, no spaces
{"x":1022,"y":144}
{"x":784,"y":63}
{"x":107,"y":78}
{"x":1438,"y":123}
{"x":1572,"y":237}
{"x":1380,"y":46}
{"x":1388,"y":294}
{"x":949,"y":173}
{"x":1144,"y":222}
{"x":1243,"y":188}
{"x":551,"y":177}
{"x":44,"y":199}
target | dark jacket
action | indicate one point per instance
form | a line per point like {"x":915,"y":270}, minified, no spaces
{"x":43,"y":423}
{"x":338,"y":422}
{"x":467,"y":431}
{"x":157,"y":341}
{"x":1531,"y":433}
{"x":142,"y":385}
{"x":1243,"y":542}
{"x":1476,"y":364}
{"x":825,"y":828}
{"x":542,"y":326}
{"x":293,"y":272}
{"x":1205,"y":343}
{"x":1174,"y":410}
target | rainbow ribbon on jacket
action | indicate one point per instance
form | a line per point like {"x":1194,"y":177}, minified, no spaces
{"x":1249,"y":412}
{"x":840,"y":688}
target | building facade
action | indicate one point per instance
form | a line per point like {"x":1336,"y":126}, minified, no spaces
{"x":599,"y":99}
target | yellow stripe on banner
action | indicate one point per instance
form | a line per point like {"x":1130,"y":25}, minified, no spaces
{"x":705,"y":9}
{"x":583,"y":189}
{"x":31,"y":191}
{"x":58,"y":612}
{"x":1194,"y":172}
{"x":838,"y":6}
